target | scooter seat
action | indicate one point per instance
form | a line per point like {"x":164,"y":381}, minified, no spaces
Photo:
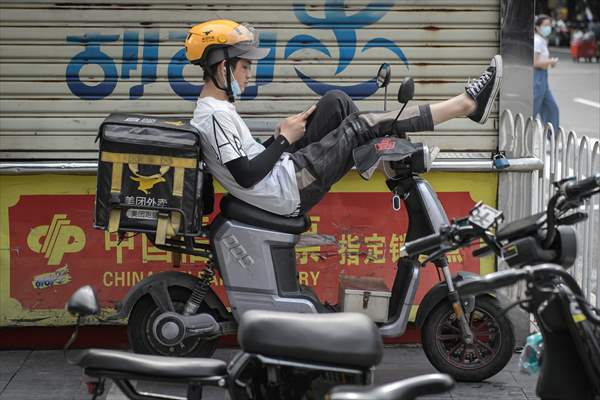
{"x":341,"y":339}
{"x":236,"y":209}
{"x":146,"y":366}
{"x":406,"y":389}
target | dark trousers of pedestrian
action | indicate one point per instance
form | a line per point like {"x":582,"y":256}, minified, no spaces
{"x":336,"y":127}
{"x":543,"y":101}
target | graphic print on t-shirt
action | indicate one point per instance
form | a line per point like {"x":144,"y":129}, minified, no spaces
{"x":235,"y":144}
{"x":226,"y":137}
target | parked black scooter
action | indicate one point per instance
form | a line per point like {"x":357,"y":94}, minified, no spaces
{"x":176,"y":314}
{"x":283,"y":356}
{"x":570,"y":326}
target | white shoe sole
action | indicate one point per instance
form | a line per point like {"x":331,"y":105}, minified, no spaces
{"x":498,"y":78}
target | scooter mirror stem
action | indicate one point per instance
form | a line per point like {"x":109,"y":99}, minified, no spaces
{"x":72,"y":340}
{"x":385,"y":99}
{"x":383,"y":79}
{"x":399,"y":112}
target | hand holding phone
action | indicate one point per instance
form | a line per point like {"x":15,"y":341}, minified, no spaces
{"x":292,"y":128}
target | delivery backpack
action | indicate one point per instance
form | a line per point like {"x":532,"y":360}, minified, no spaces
{"x":151,"y":178}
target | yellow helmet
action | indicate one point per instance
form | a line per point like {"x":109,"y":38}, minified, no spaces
{"x":214,"y":41}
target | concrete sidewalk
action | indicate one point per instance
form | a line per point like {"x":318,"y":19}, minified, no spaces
{"x":33,"y":375}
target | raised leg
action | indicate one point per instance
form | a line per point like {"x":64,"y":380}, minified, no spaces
{"x":458,"y":106}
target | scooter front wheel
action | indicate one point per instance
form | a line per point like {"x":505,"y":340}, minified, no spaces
{"x":490,"y":351}
{"x":142,"y":338}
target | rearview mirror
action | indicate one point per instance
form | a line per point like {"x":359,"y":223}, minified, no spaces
{"x":83,"y":302}
{"x":384,"y":75}
{"x":406,"y":90}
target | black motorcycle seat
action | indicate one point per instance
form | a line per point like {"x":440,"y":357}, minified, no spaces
{"x":341,"y":339}
{"x":147,"y":366}
{"x":236,"y":209}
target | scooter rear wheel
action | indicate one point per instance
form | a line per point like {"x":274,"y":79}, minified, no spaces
{"x":445,"y":348}
{"x":143,"y":340}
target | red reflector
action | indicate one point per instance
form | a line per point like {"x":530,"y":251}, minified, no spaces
{"x":91,"y":387}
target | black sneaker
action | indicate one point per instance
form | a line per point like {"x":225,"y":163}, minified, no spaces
{"x":484,"y":90}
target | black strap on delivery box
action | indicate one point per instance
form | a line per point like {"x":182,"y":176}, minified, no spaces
{"x":168,"y":224}
{"x":150,"y":177}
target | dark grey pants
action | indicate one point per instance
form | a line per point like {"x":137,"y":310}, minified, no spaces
{"x":324,"y":155}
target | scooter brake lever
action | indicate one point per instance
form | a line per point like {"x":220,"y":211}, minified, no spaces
{"x":438,"y":253}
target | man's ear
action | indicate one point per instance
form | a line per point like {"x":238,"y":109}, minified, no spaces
{"x":220,"y":72}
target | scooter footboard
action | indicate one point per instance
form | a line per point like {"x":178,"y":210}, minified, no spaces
{"x":403,"y":296}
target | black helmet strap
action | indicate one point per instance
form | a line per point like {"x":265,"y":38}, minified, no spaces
{"x":229,"y":90}
{"x":228,"y":73}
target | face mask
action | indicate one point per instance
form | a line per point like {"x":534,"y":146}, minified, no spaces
{"x":235,"y":86}
{"x":545,"y":30}
{"x":235,"y":89}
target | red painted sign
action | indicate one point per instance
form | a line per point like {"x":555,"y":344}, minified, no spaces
{"x":54,"y":249}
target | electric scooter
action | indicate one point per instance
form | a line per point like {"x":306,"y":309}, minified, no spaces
{"x":569,"y":356}
{"x":176,"y":314}
{"x":569,"y":325}
{"x":283,"y":356}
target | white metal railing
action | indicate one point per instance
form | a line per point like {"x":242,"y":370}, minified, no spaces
{"x":439,"y":164}
{"x":523,"y":193}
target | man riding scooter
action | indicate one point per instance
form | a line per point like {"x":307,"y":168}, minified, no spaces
{"x":272,"y":186}
{"x":310,"y":151}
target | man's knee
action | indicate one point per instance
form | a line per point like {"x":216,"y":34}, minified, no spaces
{"x":336,"y":98}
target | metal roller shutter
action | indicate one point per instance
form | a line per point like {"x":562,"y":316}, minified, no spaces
{"x":65,"y":66}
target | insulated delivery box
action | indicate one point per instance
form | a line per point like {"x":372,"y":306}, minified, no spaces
{"x":150,"y":178}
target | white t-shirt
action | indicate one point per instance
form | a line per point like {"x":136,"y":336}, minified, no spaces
{"x":225,"y":137}
{"x":540,"y":46}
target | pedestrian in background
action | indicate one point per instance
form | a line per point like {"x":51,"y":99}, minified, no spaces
{"x":543,"y":101}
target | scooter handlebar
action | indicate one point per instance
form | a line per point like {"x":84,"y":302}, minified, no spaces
{"x":422,"y":245}
{"x":509,"y":277}
{"x":576,"y":188}
{"x":447,"y":236}
{"x":490,"y":282}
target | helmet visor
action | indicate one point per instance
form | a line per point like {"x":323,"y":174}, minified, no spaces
{"x":247,"y":46}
